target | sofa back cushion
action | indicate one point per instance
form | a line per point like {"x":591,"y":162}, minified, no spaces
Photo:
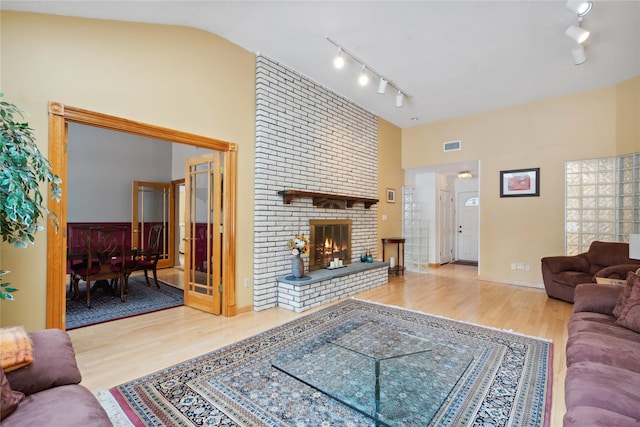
{"x":54,"y":363}
{"x":9,"y":399}
{"x":605,"y":254}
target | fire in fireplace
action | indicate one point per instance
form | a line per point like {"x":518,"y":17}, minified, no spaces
{"x":329,"y":239}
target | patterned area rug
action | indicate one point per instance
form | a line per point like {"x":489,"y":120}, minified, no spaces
{"x":141,"y":299}
{"x":507,"y":382}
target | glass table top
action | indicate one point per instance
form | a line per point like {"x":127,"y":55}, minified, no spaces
{"x":393,"y":377}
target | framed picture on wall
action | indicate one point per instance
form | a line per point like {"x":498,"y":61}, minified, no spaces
{"x":391,"y":195}
{"x":520,"y":183}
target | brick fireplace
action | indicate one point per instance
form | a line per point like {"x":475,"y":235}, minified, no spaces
{"x":310,"y":139}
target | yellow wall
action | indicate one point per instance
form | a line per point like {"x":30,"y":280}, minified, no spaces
{"x":174,"y":77}
{"x":390,"y":175}
{"x":540,"y":134}
{"x":628,"y":116}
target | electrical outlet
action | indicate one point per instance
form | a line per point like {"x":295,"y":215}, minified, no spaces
{"x":527,"y":267}
{"x":384,"y":217}
{"x":246,"y":282}
{"x":520,"y":266}
{"x":513,"y":265}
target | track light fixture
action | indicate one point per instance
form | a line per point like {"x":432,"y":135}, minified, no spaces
{"x":399,"y":99}
{"x":576,"y":32}
{"x":338,"y":61}
{"x":580,"y":8}
{"x":579,"y":55}
{"x":363,"y":78}
{"x":382,"y":86}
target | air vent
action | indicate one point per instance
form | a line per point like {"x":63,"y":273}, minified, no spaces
{"x":452,"y":146}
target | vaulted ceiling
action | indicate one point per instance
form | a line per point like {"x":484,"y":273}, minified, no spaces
{"x":451,"y":58}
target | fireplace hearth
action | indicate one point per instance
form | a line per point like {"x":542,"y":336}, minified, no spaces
{"x":329,"y":239}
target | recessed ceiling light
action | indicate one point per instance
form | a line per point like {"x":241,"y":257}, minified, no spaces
{"x":415,"y":119}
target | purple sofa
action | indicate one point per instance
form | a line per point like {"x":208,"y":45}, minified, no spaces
{"x":561,"y":274}
{"x":602,"y":386}
{"x":51,"y":385}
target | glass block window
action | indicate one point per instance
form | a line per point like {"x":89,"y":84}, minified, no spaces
{"x":602,"y":201}
{"x":415,"y":231}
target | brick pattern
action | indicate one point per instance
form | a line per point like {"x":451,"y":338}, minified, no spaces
{"x":302,"y":297}
{"x":307,"y":138}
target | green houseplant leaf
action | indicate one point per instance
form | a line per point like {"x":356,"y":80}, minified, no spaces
{"x":22,"y":169}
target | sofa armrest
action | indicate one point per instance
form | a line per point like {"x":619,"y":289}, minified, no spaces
{"x":54,"y":363}
{"x":596,"y":298}
{"x":558,"y":264}
{"x":617,"y":271}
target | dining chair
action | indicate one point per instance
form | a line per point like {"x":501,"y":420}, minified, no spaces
{"x":105,"y":247}
{"x":148,"y":258}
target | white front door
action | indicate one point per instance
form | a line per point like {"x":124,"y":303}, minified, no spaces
{"x":467,"y":244}
{"x":446,"y":228}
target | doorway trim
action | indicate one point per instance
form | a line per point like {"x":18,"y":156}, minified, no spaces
{"x":60,"y":116}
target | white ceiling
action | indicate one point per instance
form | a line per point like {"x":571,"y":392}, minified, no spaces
{"x":452,"y":58}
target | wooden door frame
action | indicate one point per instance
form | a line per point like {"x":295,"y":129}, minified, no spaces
{"x":60,"y":116}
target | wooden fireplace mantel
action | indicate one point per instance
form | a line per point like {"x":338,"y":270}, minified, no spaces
{"x":324,"y":200}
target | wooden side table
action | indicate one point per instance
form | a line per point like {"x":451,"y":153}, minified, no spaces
{"x":398,"y":269}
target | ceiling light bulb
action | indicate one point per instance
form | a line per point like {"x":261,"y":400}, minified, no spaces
{"x":363,"y":79}
{"x":338,"y":61}
{"x":382,"y":87}
{"x":579,"y":35}
{"x":399,"y":99}
{"x":579,"y":56}
{"x":580,"y":8}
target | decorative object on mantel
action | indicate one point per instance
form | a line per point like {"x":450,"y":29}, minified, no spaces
{"x":298,"y":245}
{"x":325,"y":200}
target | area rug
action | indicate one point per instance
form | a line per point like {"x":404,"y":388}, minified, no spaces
{"x":141,"y":299}
{"x":507,"y":382}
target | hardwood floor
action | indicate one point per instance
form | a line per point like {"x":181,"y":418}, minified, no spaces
{"x":116,"y":352}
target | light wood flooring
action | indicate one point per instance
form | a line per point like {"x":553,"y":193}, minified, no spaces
{"x":116,"y":352}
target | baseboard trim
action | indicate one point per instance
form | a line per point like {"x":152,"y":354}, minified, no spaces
{"x":513,"y":282}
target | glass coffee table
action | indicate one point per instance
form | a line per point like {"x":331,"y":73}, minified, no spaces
{"x":393,"y":377}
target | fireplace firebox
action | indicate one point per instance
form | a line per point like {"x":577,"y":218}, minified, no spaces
{"x":329,"y":239}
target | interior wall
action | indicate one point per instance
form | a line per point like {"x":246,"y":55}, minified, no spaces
{"x":628,"y":117}
{"x":102,"y":164}
{"x":137,"y":71}
{"x":540,"y":134}
{"x":390,"y":175}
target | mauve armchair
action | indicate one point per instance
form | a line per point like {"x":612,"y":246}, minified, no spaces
{"x":561,"y":274}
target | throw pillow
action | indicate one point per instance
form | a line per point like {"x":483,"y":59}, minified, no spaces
{"x":16,"y":350}
{"x":9,"y":399}
{"x":624,"y":295}
{"x":630,"y":315}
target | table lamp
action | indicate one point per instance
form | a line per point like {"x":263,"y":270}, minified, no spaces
{"x":634,"y":248}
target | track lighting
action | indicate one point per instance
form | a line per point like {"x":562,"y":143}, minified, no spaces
{"x":382,"y":86}
{"x":338,"y":61}
{"x":579,"y":55}
{"x":580,"y":8}
{"x":363,"y":78}
{"x":579,"y":35}
{"x":399,"y":99}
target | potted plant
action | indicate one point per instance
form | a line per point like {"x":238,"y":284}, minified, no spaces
{"x":22,"y":169}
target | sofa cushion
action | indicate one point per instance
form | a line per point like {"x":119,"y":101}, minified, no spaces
{"x":583,"y":416}
{"x":630,"y":314}
{"x":54,"y":363}
{"x":624,"y":296}
{"x":69,"y":406}
{"x":600,"y":324}
{"x":573,"y":278}
{"x":604,"y":349}
{"x":9,"y":399}
{"x":605,"y":254}
{"x":601,"y":386}
{"x":596,"y":298}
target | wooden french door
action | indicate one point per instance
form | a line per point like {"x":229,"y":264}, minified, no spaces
{"x":203,"y":233}
{"x":153,"y":203}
